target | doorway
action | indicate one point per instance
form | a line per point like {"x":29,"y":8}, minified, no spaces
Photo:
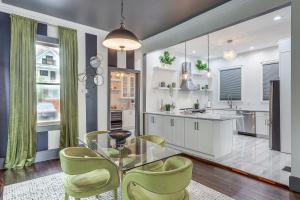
{"x":123,"y":100}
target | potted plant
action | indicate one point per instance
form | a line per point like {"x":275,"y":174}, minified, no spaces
{"x":197,"y":104}
{"x":202,"y":67}
{"x":166,"y":59}
{"x":168,"y":107}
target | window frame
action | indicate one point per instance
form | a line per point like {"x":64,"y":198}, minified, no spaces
{"x":50,"y":42}
{"x":219,"y":82}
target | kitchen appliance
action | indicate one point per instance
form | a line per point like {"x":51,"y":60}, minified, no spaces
{"x":246,"y":124}
{"x":186,"y":78}
{"x":274,"y":118}
{"x":116,"y":120}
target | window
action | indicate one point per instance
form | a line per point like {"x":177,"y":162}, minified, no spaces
{"x":47,"y":82}
{"x":270,"y":72}
{"x":230,"y":84}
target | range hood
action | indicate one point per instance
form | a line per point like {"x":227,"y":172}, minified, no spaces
{"x":186,"y":78}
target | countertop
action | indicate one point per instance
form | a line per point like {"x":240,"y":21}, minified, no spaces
{"x":206,"y":116}
{"x":240,"y":109}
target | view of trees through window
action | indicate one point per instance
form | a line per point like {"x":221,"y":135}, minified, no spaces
{"x":48,"y":83}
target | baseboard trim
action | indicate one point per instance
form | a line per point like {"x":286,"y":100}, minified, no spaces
{"x":238,"y":171}
{"x":294,"y":183}
{"x":51,"y":154}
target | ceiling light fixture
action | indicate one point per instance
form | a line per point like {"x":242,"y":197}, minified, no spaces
{"x":229,"y":54}
{"x":121,"y":38}
{"x":276,"y":18}
{"x":251,"y":48}
{"x":193,"y":52}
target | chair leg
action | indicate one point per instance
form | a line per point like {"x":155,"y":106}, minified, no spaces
{"x":66,"y":196}
{"x":115,"y":194}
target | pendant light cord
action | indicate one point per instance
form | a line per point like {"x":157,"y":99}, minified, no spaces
{"x":208,"y":51}
{"x":122,"y":13}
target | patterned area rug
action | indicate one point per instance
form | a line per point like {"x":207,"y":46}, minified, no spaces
{"x":51,"y":188}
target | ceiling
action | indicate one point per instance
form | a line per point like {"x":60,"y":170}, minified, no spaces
{"x":258,"y":33}
{"x":144,"y":17}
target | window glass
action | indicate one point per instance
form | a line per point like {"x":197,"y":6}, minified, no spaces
{"x":230,"y":84}
{"x":48,"y":83}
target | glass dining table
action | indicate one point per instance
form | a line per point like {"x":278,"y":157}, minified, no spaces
{"x":135,"y":152}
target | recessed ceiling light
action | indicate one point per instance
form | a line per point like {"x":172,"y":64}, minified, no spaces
{"x":276,"y":18}
{"x":251,"y":48}
{"x":193,"y":52}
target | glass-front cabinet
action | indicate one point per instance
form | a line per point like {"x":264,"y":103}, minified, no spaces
{"x":128,"y":86}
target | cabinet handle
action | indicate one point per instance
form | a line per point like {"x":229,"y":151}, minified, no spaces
{"x":195,"y":125}
{"x":173,"y":122}
{"x":198,"y":126}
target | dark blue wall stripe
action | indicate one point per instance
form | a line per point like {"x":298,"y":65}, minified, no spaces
{"x":130,"y":59}
{"x":112,"y":58}
{"x":4,"y":79}
{"x":91,"y":95}
{"x":42,"y":29}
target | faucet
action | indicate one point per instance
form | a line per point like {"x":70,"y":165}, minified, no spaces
{"x":229,"y":101}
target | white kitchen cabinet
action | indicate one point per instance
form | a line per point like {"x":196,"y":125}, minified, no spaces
{"x":262,"y":123}
{"x":191,"y":139}
{"x":199,"y":135}
{"x":153,"y":124}
{"x":128,"y":119}
{"x":173,"y":130}
{"x":128,"y":86}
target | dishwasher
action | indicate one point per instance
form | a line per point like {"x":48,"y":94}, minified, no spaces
{"x":246,"y":124}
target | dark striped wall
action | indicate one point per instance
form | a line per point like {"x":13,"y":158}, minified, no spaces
{"x":91,"y":95}
{"x":4,"y":80}
{"x":113,"y":59}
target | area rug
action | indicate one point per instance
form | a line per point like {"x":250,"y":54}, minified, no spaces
{"x":51,"y":188}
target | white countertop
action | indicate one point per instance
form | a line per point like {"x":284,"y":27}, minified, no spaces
{"x":205,"y":116}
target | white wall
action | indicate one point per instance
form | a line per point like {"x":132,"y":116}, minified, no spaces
{"x":182,"y":99}
{"x":285,"y":94}
{"x":251,"y":64}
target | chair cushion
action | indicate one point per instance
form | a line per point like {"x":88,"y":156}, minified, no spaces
{"x":87,"y":181}
{"x":139,"y":193}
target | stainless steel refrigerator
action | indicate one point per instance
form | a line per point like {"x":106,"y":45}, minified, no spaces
{"x":274,"y":118}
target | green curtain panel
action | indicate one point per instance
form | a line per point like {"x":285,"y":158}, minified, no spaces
{"x":21,"y":147}
{"x":69,"y":87}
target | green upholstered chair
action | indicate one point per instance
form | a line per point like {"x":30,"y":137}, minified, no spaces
{"x":93,"y":135}
{"x":153,"y":138}
{"x":87,"y":174}
{"x":157,"y":140}
{"x":169,"y":183}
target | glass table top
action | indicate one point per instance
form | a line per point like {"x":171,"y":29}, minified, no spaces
{"x":134,"y":153}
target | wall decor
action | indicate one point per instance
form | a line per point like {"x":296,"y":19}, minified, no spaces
{"x":94,"y":79}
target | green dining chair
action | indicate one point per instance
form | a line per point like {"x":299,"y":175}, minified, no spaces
{"x":155,"y":166}
{"x":93,"y":135}
{"x":153,"y":138}
{"x":169,"y":183}
{"x":87,"y":174}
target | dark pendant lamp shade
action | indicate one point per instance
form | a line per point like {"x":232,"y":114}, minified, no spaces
{"x":122,"y":39}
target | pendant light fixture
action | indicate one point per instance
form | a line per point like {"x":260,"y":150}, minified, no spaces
{"x":208,"y":74}
{"x":229,"y":54}
{"x":121,"y":38}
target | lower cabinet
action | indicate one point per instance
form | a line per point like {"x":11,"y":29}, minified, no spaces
{"x":173,"y":130}
{"x":199,"y":135}
{"x":262,"y":124}
{"x":206,"y":137}
{"x":154,"y":125}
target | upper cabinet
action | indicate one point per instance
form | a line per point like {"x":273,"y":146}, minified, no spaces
{"x":128,"y":86}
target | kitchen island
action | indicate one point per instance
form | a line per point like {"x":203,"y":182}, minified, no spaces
{"x":208,"y":135}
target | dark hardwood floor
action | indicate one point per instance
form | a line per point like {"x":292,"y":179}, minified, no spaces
{"x":227,"y":182}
